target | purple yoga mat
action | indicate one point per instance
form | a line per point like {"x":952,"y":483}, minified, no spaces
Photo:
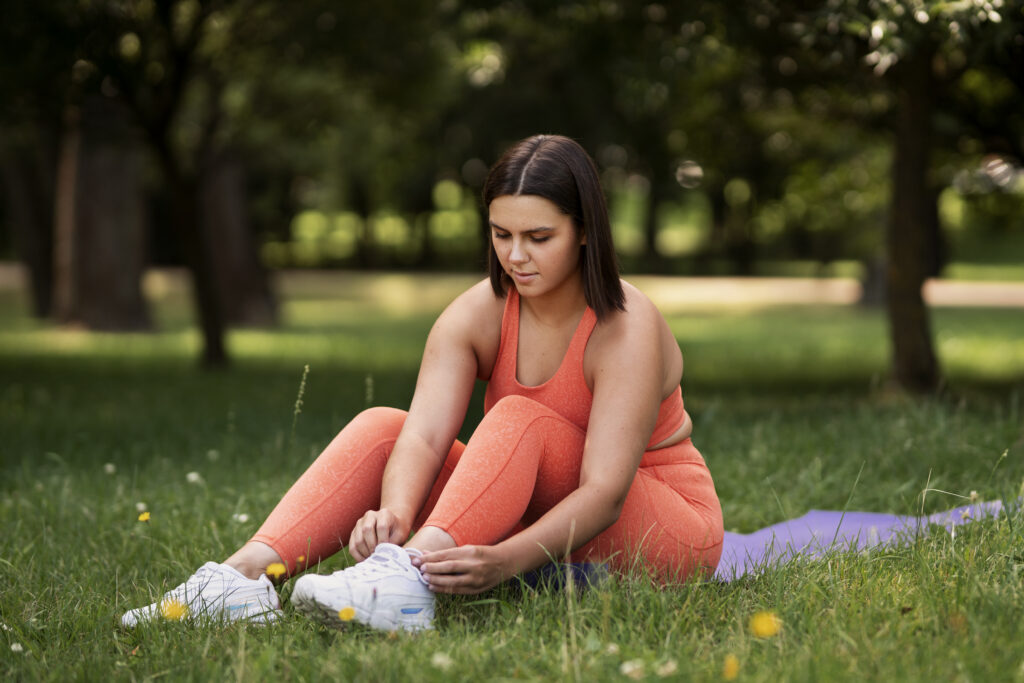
{"x":821,"y":531}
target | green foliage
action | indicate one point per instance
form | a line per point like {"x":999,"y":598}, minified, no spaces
{"x":789,"y":412}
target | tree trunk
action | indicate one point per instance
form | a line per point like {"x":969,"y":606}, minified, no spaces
{"x":908,"y":235}
{"x":651,"y":256}
{"x":28,"y":179}
{"x":241,"y":280}
{"x":186,"y":218}
{"x":99,"y":254}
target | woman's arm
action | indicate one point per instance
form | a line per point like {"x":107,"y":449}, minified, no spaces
{"x":628,"y":376}
{"x":443,"y":388}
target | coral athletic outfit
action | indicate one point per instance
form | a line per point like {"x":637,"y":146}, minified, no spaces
{"x":523,"y":458}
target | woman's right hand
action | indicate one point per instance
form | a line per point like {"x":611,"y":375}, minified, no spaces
{"x":374,"y":528}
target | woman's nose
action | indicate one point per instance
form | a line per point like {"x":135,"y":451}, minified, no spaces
{"x":518,"y":254}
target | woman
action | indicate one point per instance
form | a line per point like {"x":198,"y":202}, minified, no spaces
{"x":584,"y":449}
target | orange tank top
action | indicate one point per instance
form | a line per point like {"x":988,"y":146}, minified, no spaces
{"x":566,"y":392}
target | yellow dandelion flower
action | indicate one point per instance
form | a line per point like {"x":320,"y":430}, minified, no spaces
{"x":765,"y":624}
{"x":144,"y":516}
{"x":300,"y":559}
{"x":276,"y":570}
{"x":172,"y":610}
{"x":730,"y":667}
{"x":347,"y":613}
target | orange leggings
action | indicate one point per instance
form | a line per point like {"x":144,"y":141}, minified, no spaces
{"x":522,"y":459}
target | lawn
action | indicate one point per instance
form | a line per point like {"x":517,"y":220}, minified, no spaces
{"x":792,"y":412}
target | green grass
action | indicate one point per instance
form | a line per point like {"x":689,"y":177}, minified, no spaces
{"x":792,"y":412}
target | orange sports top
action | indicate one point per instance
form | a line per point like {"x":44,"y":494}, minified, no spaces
{"x":566,"y":392}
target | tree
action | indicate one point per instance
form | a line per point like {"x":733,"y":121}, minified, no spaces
{"x":902,"y":50}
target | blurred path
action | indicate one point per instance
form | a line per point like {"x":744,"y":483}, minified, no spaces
{"x":669,"y":292}
{"x":682,"y":292}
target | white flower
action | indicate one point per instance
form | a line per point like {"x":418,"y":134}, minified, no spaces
{"x":16,"y":647}
{"x":240,"y":517}
{"x":141,"y":507}
{"x":441,"y":661}
{"x":974,"y":496}
{"x":213,"y":454}
{"x":194,"y":478}
{"x":634,"y":668}
{"x":667,"y":669}
{"x":612,"y":649}
{"x":4,"y":627}
{"x":110,"y":468}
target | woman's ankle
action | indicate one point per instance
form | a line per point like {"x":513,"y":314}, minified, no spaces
{"x":252,"y":559}
{"x":429,"y":539}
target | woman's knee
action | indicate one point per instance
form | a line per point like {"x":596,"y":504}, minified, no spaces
{"x":514,"y":406}
{"x":380,"y":417}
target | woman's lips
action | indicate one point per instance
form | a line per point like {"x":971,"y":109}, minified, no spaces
{"x":523,"y":278}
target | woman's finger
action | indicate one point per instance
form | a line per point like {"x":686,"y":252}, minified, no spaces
{"x":383,"y":528}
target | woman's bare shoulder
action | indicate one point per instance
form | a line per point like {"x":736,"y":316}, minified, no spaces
{"x":477,"y":303}
{"x":475,"y":317}
{"x":640,"y":317}
{"x":638,"y":332}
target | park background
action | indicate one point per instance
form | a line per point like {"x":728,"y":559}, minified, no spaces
{"x":228,"y":226}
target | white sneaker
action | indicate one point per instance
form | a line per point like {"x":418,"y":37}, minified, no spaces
{"x":384,"y":591}
{"x":216,"y":592}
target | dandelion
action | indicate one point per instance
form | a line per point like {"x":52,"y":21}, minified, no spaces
{"x":442,"y":661}
{"x":667,"y":669}
{"x":276,"y":570}
{"x":16,"y":647}
{"x":144,"y":517}
{"x":4,"y":627}
{"x":172,"y":610}
{"x":612,"y":649}
{"x":300,"y":559}
{"x":141,"y":507}
{"x":730,"y":667}
{"x":765,"y":624}
{"x":240,"y":517}
{"x":974,"y":496}
{"x":347,"y":613}
{"x":194,"y":478}
{"x":633,"y":668}
{"x":110,"y":468}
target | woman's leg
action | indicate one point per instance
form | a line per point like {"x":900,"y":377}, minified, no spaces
{"x":670,"y":524}
{"x":524,"y":458}
{"x":311,"y":522}
{"x":315,"y":517}
{"x":521,"y":460}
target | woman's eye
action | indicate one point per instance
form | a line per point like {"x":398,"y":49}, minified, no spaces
{"x":539,"y":239}
{"x":501,"y":235}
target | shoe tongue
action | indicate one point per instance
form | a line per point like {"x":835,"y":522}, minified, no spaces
{"x":388,"y":552}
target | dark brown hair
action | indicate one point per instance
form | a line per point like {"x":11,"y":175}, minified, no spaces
{"x":559,"y":170}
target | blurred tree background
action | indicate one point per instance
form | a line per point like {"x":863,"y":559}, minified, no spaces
{"x":881,"y":139}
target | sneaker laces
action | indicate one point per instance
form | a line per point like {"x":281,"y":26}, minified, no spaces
{"x":383,"y":562}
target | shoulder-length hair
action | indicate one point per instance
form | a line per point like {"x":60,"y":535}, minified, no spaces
{"x":559,"y":170}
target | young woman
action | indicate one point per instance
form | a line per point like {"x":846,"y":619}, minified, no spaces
{"x":584,"y":450}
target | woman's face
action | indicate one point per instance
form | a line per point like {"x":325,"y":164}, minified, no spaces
{"x":536,"y":244}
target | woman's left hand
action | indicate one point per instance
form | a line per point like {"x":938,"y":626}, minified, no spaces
{"x":464,"y":570}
